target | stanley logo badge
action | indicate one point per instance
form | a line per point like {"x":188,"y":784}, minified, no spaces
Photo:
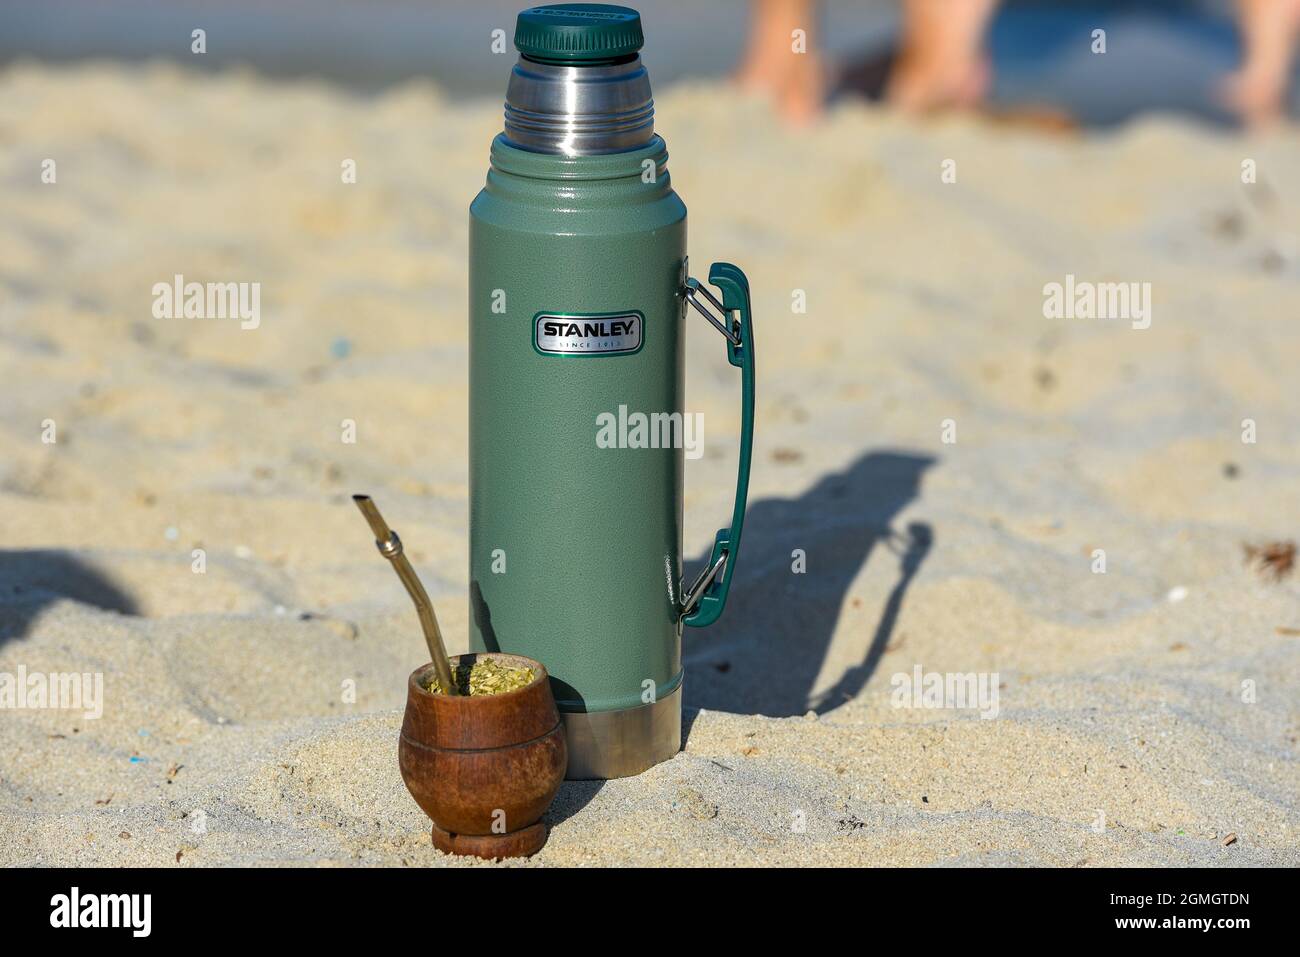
{"x":608,"y":335}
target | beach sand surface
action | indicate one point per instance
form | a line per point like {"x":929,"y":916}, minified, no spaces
{"x":189,"y":535}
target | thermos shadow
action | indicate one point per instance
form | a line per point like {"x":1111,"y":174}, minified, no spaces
{"x":765,"y":655}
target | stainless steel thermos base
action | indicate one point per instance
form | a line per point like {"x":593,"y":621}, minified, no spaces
{"x":619,"y":744}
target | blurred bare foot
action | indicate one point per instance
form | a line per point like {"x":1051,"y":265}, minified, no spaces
{"x":1257,"y":91}
{"x":941,"y":61}
{"x":919,"y":84}
{"x":792,"y":76}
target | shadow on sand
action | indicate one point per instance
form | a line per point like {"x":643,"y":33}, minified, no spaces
{"x":31,"y":580}
{"x":764,"y":655}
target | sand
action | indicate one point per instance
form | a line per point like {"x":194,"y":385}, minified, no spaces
{"x":250,"y":712}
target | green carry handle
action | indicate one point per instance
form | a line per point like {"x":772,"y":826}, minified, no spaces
{"x":704,"y":601}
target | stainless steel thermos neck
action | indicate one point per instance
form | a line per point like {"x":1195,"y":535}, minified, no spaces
{"x":584,"y":110}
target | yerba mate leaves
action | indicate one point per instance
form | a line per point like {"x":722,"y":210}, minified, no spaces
{"x":486,"y":677}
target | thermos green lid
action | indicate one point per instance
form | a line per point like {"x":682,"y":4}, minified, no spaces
{"x":578,"y":33}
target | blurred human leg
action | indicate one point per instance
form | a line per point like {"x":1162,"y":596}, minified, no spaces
{"x":1257,"y":91}
{"x":774,"y":67}
{"x":941,"y":59}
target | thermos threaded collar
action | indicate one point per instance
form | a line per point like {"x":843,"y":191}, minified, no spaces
{"x":577,"y":34}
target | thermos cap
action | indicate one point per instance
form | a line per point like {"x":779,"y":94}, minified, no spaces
{"x":578,"y":33}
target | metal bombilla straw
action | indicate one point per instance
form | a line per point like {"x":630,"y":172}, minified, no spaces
{"x":390,"y":546}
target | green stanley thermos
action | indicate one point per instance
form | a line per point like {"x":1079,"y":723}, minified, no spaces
{"x":578,"y":295}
